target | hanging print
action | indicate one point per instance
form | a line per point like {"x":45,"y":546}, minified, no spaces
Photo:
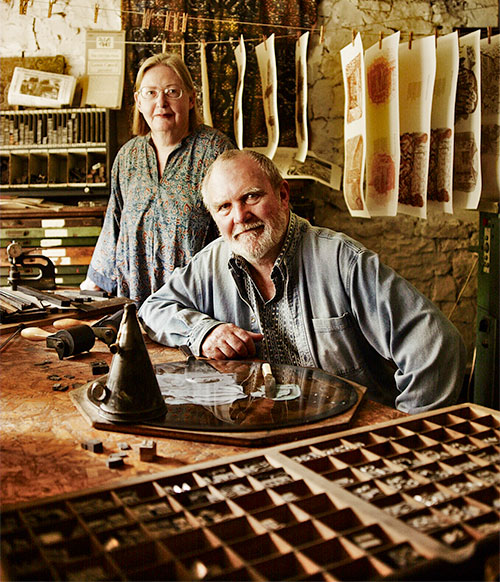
{"x":205,"y":87}
{"x":417,"y":72}
{"x":382,"y":127}
{"x":267,"y":66}
{"x":240,"y":56}
{"x":466,"y":168}
{"x":490,"y":118}
{"x":440,"y":181}
{"x":354,"y":126}
{"x":301,"y":131}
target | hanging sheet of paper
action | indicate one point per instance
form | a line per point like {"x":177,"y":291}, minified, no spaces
{"x":205,"y":87}
{"x":353,"y":72}
{"x":417,"y":73}
{"x":490,"y":118}
{"x":440,"y":181}
{"x":241,"y":62}
{"x":301,"y":130}
{"x":105,"y":68}
{"x":266,"y":59}
{"x":313,"y":168}
{"x":467,"y":147}
{"x":382,"y":127}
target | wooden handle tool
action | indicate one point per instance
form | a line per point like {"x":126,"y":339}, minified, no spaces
{"x":66,"y":323}
{"x":34,"y":334}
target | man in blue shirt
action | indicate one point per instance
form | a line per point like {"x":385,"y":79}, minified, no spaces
{"x":276,"y":288}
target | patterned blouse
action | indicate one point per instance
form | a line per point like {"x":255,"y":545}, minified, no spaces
{"x":153,"y":224}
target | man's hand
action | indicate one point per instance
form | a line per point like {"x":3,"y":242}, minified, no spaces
{"x":228,"y":341}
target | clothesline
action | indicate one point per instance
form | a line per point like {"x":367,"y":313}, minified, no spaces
{"x":179,"y":21}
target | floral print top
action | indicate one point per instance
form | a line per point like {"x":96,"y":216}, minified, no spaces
{"x":154,"y":224}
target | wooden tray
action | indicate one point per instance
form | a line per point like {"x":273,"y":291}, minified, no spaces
{"x":414,"y":498}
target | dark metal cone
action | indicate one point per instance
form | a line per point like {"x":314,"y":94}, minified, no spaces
{"x":134,"y":393}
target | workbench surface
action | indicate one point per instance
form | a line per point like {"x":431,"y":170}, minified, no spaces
{"x":42,"y":431}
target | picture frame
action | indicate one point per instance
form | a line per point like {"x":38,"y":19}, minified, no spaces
{"x":34,"y":88}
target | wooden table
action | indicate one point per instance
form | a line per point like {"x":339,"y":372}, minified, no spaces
{"x":42,"y":431}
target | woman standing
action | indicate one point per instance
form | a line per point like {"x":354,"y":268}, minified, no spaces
{"x":155,"y":219}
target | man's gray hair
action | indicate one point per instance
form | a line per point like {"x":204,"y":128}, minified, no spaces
{"x":266,"y":165}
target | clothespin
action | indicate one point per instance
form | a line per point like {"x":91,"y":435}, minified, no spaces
{"x":321,"y":34}
{"x":264,"y":39}
{"x":410,"y":40}
{"x":489,"y":34}
{"x":96,"y":12}
{"x":51,"y":4}
{"x":380,"y":39}
{"x":168,"y":17}
{"x":23,"y":6}
{"x":164,"y":45}
{"x":353,"y":36}
{"x":436,"y":34}
{"x":183,"y":46}
{"x":176,"y":21}
{"x":184,"y":22}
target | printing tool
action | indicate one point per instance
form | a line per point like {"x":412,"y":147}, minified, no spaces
{"x":26,"y":268}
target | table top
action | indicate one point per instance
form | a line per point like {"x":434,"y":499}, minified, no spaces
{"x":41,"y":451}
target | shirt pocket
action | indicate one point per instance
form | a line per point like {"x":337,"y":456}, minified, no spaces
{"x":337,"y":345}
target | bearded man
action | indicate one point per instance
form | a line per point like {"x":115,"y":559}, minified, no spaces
{"x":274,"y":287}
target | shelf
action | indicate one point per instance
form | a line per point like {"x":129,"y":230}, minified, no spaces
{"x":67,"y":151}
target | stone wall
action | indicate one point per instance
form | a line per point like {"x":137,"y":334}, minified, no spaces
{"x":434,"y":254}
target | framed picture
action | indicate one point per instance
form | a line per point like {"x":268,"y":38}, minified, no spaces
{"x":40,"y":89}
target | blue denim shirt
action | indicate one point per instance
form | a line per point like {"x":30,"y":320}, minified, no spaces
{"x":351,"y":315}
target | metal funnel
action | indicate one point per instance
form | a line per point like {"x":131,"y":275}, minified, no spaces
{"x":131,"y":392}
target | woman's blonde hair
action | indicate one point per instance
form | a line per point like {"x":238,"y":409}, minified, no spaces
{"x":175,"y":62}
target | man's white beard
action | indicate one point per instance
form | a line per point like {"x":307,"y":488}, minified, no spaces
{"x":255,"y":245}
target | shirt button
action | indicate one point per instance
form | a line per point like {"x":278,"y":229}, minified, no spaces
{"x":252,"y":319}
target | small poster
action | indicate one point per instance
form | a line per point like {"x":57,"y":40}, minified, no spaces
{"x":241,"y":60}
{"x":105,"y":56}
{"x":417,"y":73}
{"x":382,"y":126}
{"x":353,"y":72}
{"x":301,"y":130}
{"x":266,"y":59}
{"x":467,"y":164}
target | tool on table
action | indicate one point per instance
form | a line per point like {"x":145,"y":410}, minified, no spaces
{"x":130,"y":392}
{"x":52,"y":298}
{"x":18,"y":330}
{"x":106,"y":329}
{"x":37,"y":271}
{"x":66,"y":342}
{"x":269,"y":380}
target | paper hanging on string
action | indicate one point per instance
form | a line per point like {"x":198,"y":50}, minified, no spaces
{"x":417,"y":73}
{"x":105,"y":68}
{"x":266,"y":59}
{"x":353,"y":72}
{"x":241,"y":60}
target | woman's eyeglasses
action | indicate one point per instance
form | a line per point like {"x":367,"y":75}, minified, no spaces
{"x":150,"y":93}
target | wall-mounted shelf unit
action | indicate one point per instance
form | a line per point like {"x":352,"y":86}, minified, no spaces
{"x":57,"y":152}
